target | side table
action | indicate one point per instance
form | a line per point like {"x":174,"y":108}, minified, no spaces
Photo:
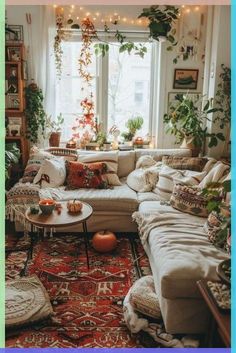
{"x":220,"y":321}
{"x":64,"y":219}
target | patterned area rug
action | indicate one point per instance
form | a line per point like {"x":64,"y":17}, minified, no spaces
{"x":87,"y":304}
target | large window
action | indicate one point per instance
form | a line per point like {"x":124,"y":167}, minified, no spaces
{"x":123,"y":81}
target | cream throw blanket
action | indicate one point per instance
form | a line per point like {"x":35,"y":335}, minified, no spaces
{"x":169,"y":223}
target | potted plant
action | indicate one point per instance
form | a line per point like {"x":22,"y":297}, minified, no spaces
{"x":12,"y":156}
{"x":34,"y":112}
{"x":161,"y":22}
{"x":133,"y":125}
{"x":186,"y":120}
{"x":55,"y":130}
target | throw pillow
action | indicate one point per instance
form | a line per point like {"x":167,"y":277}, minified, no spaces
{"x":191,"y":163}
{"x":143,"y":180}
{"x":168,"y":177}
{"x":145,"y":161}
{"x":27,"y":301}
{"x":110,"y":159}
{"x":81,"y":175}
{"x":215,"y":174}
{"x":213,"y":225}
{"x":52,"y":173}
{"x":36,"y":158}
{"x":189,"y":200}
{"x":144,"y":299}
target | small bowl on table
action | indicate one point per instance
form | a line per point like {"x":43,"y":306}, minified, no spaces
{"x":47,"y":206}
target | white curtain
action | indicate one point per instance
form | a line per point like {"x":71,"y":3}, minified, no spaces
{"x":41,"y":58}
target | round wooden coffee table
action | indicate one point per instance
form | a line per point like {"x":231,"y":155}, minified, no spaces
{"x":64,"y":219}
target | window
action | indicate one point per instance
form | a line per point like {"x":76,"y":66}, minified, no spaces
{"x":127,"y":78}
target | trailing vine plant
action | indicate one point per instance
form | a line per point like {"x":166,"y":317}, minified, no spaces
{"x":34,"y":112}
{"x":58,"y":52}
{"x":223,"y":96}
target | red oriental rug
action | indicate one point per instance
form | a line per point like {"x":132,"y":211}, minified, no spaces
{"x":87,"y":304}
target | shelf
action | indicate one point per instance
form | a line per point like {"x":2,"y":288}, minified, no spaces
{"x":14,"y":138}
{"x":9,"y":111}
{"x":13,"y":62}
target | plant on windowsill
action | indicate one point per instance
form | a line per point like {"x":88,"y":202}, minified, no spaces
{"x":186,"y":120}
{"x":54,"y":127}
{"x":133,"y":125}
{"x":34,"y":112}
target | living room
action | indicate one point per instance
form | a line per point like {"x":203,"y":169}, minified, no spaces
{"x":118,"y":176}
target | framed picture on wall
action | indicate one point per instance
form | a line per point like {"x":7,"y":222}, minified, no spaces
{"x":185,"y":79}
{"x":14,"y":33}
{"x":13,"y":54}
{"x":191,"y":95}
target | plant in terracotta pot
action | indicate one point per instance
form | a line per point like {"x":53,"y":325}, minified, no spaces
{"x":54,"y":126}
{"x":186,"y":120}
{"x":133,"y":125}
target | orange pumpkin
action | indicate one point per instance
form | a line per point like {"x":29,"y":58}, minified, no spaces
{"x":74,"y":206}
{"x":104,"y":241}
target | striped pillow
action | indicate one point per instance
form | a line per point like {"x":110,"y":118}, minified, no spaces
{"x":191,"y":163}
{"x":168,"y":177}
{"x":111,"y":161}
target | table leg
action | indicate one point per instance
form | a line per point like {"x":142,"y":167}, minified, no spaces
{"x":85,"y":231}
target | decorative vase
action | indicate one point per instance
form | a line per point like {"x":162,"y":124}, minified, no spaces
{"x":54,"y":139}
{"x":187,"y":143}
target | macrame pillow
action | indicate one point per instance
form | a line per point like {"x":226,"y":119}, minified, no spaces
{"x":191,"y":163}
{"x":144,"y":299}
{"x":81,"y":175}
{"x":26,"y":301}
{"x":189,"y":200}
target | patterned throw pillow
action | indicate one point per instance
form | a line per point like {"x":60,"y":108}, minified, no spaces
{"x":191,"y":163}
{"x":189,"y":200}
{"x":34,"y":163}
{"x":213,"y":225}
{"x":81,"y":175}
{"x":109,"y":158}
{"x":27,"y":301}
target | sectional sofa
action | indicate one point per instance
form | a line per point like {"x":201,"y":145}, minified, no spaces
{"x":179,"y":255}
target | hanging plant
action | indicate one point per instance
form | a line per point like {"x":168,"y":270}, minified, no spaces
{"x":34,"y":112}
{"x":161,"y":23}
{"x":58,"y":52}
{"x":223,"y":96}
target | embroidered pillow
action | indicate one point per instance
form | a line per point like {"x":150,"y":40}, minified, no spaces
{"x":191,"y":163}
{"x":52,"y":173}
{"x":213,"y":226}
{"x":189,"y":200}
{"x":81,"y":175}
{"x":27,"y":301}
{"x":110,"y":159}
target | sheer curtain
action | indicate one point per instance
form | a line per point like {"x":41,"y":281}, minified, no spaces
{"x":42,"y":56}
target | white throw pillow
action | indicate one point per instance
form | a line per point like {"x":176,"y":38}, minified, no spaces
{"x":145,"y":161}
{"x":215,"y":174}
{"x":52,"y":173}
{"x":143,"y":180}
{"x":168,"y":177}
{"x":111,"y":160}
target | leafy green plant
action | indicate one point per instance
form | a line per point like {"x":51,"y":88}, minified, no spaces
{"x":161,"y":23}
{"x":132,"y":125}
{"x":34,"y":112}
{"x":223,"y":96}
{"x":12,"y":156}
{"x":187,"y":118}
{"x":54,"y":125}
{"x":216,"y":193}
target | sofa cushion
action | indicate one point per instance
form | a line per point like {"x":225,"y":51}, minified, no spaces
{"x":120,"y":198}
{"x":218,"y":171}
{"x":52,"y":173}
{"x":147,"y":196}
{"x":191,"y":163}
{"x":110,"y":158}
{"x":81,"y":175}
{"x":189,"y":200}
{"x":181,"y":252}
{"x":126,"y":163}
{"x":157,"y":154}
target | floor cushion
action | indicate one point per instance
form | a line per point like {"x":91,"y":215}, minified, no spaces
{"x":27,"y":301}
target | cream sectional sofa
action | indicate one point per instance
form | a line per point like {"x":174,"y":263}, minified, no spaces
{"x":178,"y":257}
